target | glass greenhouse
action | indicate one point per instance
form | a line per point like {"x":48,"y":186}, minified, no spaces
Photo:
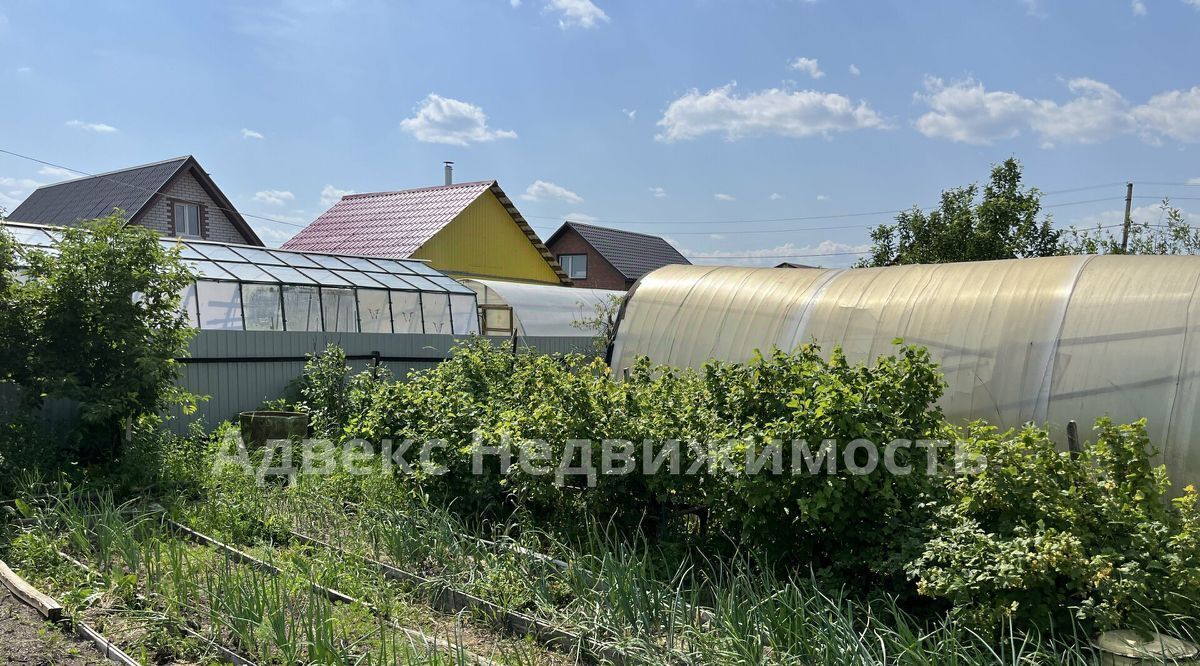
{"x":247,"y":288}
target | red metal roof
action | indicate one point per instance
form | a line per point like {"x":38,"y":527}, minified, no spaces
{"x":387,"y":224}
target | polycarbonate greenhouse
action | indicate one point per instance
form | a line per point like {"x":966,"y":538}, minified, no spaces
{"x":1044,"y":340}
{"x":538,"y":309}
{"x":240,"y":287}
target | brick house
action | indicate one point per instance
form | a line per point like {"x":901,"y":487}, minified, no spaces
{"x":604,"y":258}
{"x":175,"y":197}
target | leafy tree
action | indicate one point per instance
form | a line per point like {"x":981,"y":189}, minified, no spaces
{"x":1170,"y":234}
{"x":602,"y":322}
{"x":13,"y":317}
{"x":106,"y":327}
{"x":1004,"y":224}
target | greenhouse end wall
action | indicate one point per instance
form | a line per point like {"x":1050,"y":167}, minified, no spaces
{"x":1046,"y":340}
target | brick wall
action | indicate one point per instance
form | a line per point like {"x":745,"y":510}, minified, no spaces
{"x":215,"y":224}
{"x":600,"y":273}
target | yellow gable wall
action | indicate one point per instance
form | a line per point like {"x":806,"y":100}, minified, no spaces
{"x":484,"y":241}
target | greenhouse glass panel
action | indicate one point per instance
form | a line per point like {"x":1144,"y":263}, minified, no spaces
{"x":301,"y":308}
{"x":294,"y":259}
{"x":219,"y":252}
{"x":421,"y":267}
{"x":451,"y":285}
{"x":338,"y":305}
{"x":248,"y":272}
{"x":466,"y":318}
{"x":187,"y":303}
{"x":358,"y":263}
{"x":289,"y":274}
{"x":406,"y":312}
{"x":220,"y":305}
{"x":389,"y":280}
{"x":185,"y":251}
{"x":324,"y":277}
{"x":327,"y":261}
{"x":358,"y":279}
{"x":436,"y":310}
{"x":257,"y":256}
{"x":207,"y":269}
{"x":423,"y":283}
{"x":262,"y":307}
{"x":374,"y":313}
{"x":392,"y":266}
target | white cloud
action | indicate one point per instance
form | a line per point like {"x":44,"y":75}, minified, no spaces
{"x":1194,"y":3}
{"x":24,"y":69}
{"x":331,"y":195}
{"x":274,"y":197}
{"x":965,"y":111}
{"x":632,"y":113}
{"x":9,"y":200}
{"x":826,"y":253}
{"x":581,"y":217}
{"x":275,"y":236}
{"x":514,"y":3}
{"x":1175,"y":113}
{"x":1138,"y":7}
{"x":808,"y":66}
{"x":57,"y":172}
{"x":91,"y":127}
{"x":854,"y":69}
{"x":443,"y":120}
{"x":541,"y":190}
{"x":822,"y":197}
{"x":658,"y":192}
{"x":251,"y":134}
{"x":775,"y":196}
{"x":577,"y":13}
{"x":19,"y":184}
{"x":793,"y":114}
{"x":1194,"y":181}
{"x":721,"y":196}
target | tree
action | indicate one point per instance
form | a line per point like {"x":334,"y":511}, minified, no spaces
{"x":1005,"y":224}
{"x":13,"y":315}
{"x":1170,"y":234}
{"x":106,"y":327}
{"x":602,"y":322}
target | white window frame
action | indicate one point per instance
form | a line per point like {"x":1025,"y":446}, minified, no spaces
{"x":176,"y":207}
{"x":570,"y":271}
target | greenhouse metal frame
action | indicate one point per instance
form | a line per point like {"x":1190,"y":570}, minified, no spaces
{"x":250,"y":288}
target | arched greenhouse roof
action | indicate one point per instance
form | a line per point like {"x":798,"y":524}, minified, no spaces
{"x":543,"y":310}
{"x":1044,"y":340}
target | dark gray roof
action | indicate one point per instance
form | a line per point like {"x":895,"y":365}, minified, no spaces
{"x":67,"y":203}
{"x":631,"y":253}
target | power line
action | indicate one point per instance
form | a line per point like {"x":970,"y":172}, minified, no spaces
{"x":774,"y":256}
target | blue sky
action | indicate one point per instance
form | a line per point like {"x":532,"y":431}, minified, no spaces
{"x":738,"y":128}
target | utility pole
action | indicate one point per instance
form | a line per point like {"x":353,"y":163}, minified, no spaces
{"x":1125,"y":227}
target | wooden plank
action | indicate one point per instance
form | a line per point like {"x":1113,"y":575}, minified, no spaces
{"x":48,"y":607}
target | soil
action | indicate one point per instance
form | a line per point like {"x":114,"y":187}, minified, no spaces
{"x":26,"y":638}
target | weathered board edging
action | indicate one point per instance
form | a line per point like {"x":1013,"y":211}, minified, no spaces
{"x":450,"y":600}
{"x":226,"y":654}
{"x":330,"y":593}
{"x":107,"y":648}
{"x":44,"y":604}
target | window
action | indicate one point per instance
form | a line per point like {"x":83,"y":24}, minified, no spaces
{"x":575,"y":265}
{"x":187,"y":219}
{"x":301,"y":308}
{"x":262,"y":308}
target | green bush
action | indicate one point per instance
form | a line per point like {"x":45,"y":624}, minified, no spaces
{"x":1040,"y":538}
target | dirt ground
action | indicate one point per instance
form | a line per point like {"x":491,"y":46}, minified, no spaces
{"x":26,"y":638}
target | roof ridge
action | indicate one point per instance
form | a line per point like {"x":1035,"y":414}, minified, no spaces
{"x":624,"y":231}
{"x":360,"y":195}
{"x":183,"y":158}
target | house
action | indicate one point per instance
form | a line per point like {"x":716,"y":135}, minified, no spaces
{"x":603,"y":258}
{"x":175,"y":197}
{"x":788,"y":264}
{"x":469,"y":230}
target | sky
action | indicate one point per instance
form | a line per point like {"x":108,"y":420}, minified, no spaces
{"x":747,"y":131}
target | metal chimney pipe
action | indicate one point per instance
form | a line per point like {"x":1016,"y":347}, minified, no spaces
{"x":449,"y":173}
